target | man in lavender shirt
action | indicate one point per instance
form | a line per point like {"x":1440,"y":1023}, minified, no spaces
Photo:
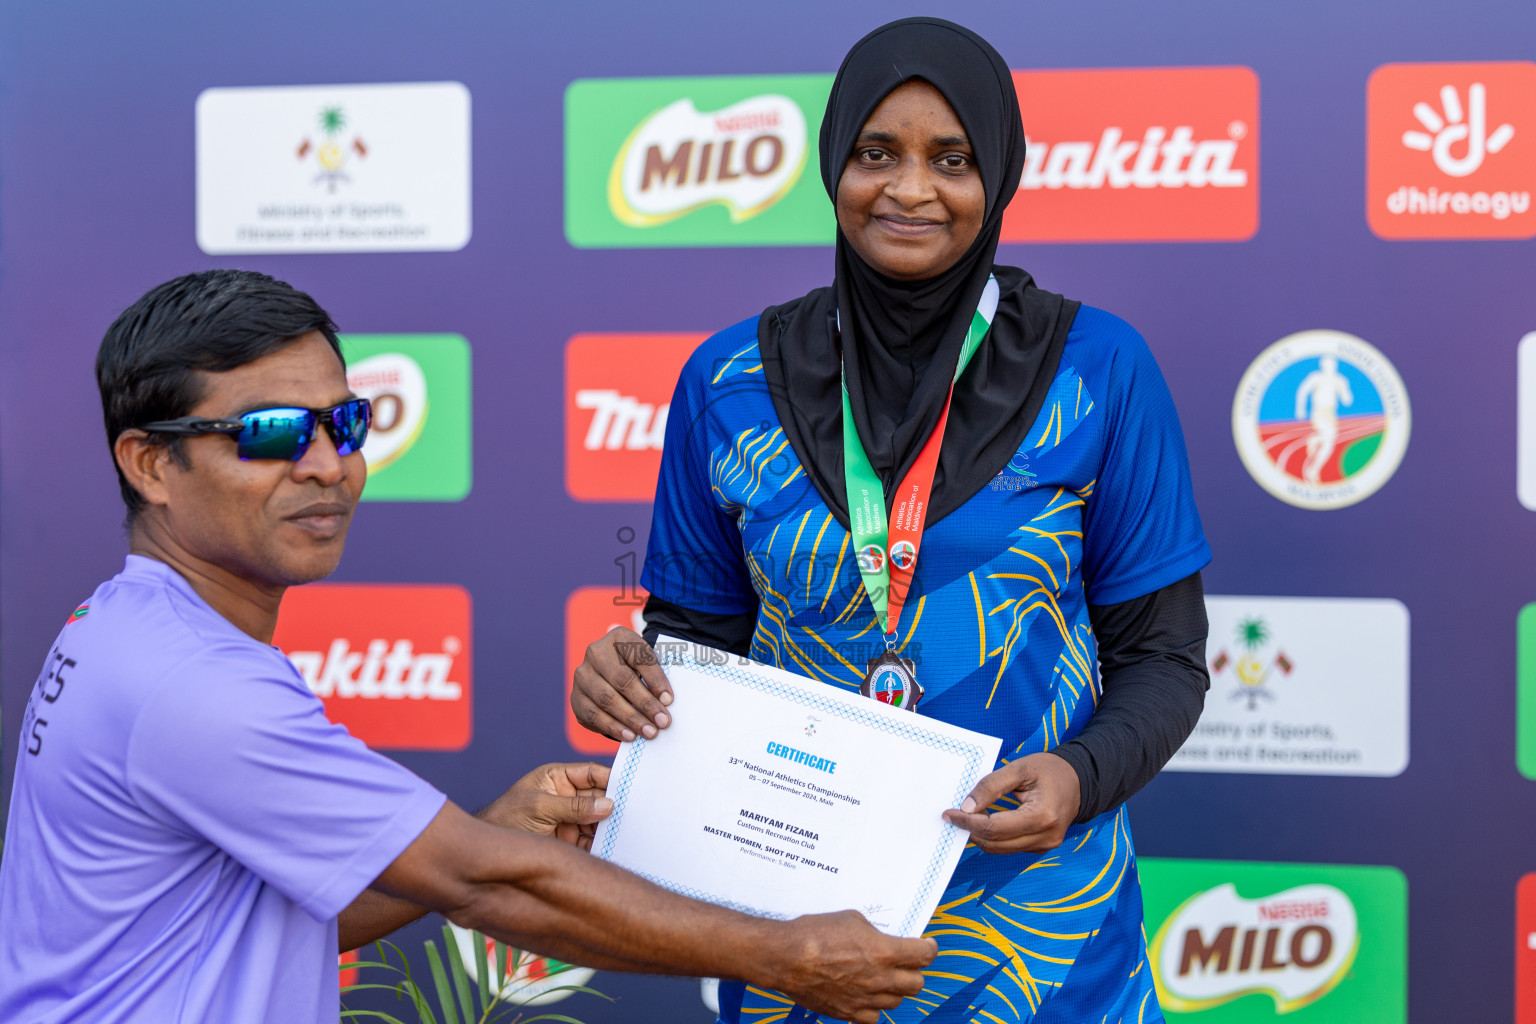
{"x":190,"y":839}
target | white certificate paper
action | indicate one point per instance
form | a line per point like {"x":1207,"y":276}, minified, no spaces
{"x":778,"y":796}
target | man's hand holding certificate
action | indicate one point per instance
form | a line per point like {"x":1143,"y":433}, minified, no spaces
{"x":780,"y":796}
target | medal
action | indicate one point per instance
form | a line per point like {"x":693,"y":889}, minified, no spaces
{"x":892,"y":679}
{"x":887,"y":550}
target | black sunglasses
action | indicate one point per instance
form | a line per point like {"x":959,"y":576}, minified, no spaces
{"x":281,"y":433}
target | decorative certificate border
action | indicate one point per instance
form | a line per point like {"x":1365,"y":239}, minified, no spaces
{"x":859,"y":710}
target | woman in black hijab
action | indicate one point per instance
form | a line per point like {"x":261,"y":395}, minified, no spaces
{"x":1055,"y":599}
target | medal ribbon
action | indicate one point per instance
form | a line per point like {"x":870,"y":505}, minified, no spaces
{"x":887,"y":556}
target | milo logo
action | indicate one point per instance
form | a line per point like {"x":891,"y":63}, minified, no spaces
{"x":695,"y":161}
{"x":418,"y":447}
{"x":395,"y":385}
{"x":745,"y":157}
{"x":1294,"y":946}
{"x":1245,"y":941}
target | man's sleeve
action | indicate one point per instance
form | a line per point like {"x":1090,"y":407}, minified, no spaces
{"x":694,"y":558}
{"x":1141,"y":530}
{"x":234,"y":750}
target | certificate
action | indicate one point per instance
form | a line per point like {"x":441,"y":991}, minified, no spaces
{"x":778,"y":795}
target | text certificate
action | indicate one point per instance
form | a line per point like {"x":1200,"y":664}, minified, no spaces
{"x":779,"y":796}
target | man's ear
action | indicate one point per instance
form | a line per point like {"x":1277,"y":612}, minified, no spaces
{"x":144,"y":464}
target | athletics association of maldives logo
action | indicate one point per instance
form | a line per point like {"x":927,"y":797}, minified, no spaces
{"x":871,"y":558}
{"x":744,"y":157}
{"x":1321,"y":419}
{"x":1295,"y":946}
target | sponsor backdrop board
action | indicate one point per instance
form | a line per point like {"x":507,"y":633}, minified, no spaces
{"x":695,"y":161}
{"x":524,"y":217}
{"x":418,"y":447}
{"x":342,"y":168}
{"x":1233,"y":942}
{"x":1303,"y":686}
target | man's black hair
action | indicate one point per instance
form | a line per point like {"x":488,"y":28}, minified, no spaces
{"x":148,"y":365}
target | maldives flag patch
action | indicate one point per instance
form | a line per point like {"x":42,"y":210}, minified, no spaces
{"x":79,"y":613}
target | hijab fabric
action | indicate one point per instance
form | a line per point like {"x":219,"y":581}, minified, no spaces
{"x":900,"y":340}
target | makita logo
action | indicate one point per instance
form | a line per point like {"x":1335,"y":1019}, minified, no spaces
{"x":392,"y":662}
{"x":1137,"y":154}
{"x":1159,"y":159}
{"x":1295,"y":946}
{"x":618,"y":398}
{"x":745,"y":157}
{"x":381,"y":671}
{"x":621,"y":421}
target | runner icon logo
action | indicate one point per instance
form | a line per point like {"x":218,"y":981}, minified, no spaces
{"x":1321,"y":419}
{"x":871,"y":558}
{"x":903,"y":555}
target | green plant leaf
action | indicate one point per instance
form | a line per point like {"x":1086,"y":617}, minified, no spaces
{"x":552,"y":1016}
{"x":440,"y":977}
{"x":359,"y":987}
{"x":371,"y":963}
{"x":354,"y":1014}
{"x":460,"y":976}
{"x":501,"y":965}
{"x":419,"y":999}
{"x":482,"y":973}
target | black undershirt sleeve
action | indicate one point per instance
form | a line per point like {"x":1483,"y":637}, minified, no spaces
{"x":1152,"y":668}
{"x":1154,"y":679}
{"x":724,"y":632}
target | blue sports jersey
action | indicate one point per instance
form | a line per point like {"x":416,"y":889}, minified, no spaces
{"x":1095,"y":506}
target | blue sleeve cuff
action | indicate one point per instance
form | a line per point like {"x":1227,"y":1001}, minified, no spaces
{"x":1148,"y":579}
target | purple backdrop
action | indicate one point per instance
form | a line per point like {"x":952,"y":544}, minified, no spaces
{"x":96,"y":205}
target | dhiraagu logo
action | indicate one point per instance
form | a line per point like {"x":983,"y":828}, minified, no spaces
{"x":1240,"y":941}
{"x":695,"y":162}
{"x":419,"y":446}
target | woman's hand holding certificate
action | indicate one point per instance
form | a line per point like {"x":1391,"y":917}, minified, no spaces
{"x":779,"y":796}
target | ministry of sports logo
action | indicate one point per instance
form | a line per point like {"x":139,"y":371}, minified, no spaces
{"x":1321,"y":419}
{"x":333,"y":149}
{"x":1253,"y":665}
